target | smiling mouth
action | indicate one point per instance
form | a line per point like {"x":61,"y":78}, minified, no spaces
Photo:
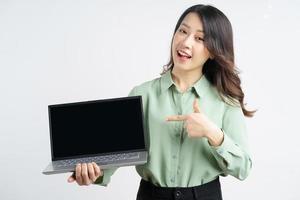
{"x":183,"y":55}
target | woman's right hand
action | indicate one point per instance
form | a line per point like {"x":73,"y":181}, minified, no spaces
{"x":86,"y":173}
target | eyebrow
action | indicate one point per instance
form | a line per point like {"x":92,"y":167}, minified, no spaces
{"x":184,"y":24}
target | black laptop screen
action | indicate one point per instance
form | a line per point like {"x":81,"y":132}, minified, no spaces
{"x":96,"y":127}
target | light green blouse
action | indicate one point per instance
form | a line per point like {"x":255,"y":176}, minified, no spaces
{"x":176,"y":160}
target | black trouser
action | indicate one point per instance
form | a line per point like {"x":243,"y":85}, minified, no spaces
{"x":208,"y":191}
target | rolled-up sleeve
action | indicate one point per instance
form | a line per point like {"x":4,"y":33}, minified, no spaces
{"x":233,"y":154}
{"x":105,"y":179}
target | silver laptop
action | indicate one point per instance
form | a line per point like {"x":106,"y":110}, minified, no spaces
{"x":109,"y":132}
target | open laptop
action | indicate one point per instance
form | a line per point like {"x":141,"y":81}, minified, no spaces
{"x":109,"y":132}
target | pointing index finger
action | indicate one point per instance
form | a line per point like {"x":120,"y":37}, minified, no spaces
{"x":176,"y":118}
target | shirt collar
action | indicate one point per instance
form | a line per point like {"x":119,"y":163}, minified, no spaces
{"x":166,"y":81}
{"x":201,"y":86}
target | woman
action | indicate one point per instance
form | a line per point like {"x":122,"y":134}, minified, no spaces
{"x":194,"y":115}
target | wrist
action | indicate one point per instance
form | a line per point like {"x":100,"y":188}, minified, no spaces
{"x":215,"y":137}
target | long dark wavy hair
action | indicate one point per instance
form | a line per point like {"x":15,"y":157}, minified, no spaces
{"x":220,"y":71}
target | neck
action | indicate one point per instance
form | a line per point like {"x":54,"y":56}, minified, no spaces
{"x":185,"y":79}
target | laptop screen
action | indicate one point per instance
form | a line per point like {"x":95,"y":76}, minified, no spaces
{"x":96,"y":127}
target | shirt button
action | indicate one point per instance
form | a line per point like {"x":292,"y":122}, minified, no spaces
{"x":177,"y":194}
{"x":174,"y":156}
{"x":172,"y":180}
{"x":177,"y":135}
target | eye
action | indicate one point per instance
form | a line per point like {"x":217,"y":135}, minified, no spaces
{"x":199,"y":39}
{"x":182,"y":31}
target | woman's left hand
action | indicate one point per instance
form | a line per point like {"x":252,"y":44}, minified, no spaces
{"x":198,"y":125}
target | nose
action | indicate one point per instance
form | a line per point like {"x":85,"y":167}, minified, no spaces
{"x":188,"y":41}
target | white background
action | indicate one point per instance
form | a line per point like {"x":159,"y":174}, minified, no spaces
{"x":64,"y":51}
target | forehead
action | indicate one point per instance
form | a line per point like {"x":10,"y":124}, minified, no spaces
{"x":192,"y":21}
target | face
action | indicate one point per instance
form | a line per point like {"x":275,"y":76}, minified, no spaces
{"x":188,"y":49}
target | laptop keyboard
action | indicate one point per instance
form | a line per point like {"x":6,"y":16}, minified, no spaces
{"x":97,"y":159}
